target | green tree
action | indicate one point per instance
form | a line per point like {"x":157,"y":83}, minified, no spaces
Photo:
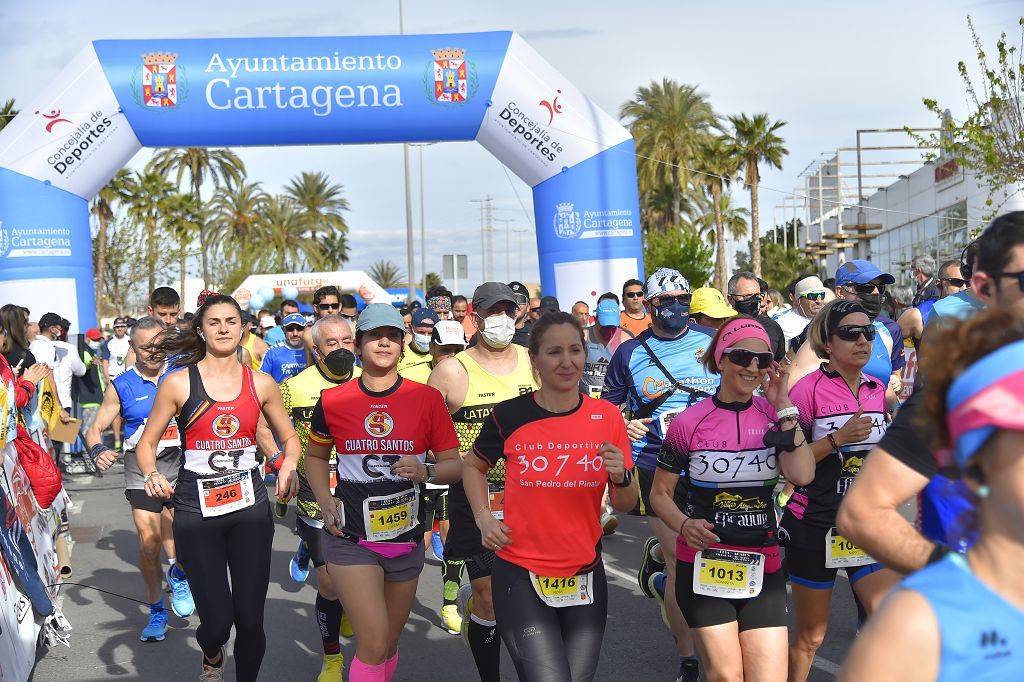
{"x":734,"y":220}
{"x":117,"y":191}
{"x":432,"y":279}
{"x":124,"y":267}
{"x":386,"y":274}
{"x":718,"y":167}
{"x":681,"y":248}
{"x":7,"y":113}
{"x":333,"y":251}
{"x":781,"y":265}
{"x":181,"y":220}
{"x":668,"y":121}
{"x":147,"y":202}
{"x":238,"y":228}
{"x":321,"y":201}
{"x":288,"y":229}
{"x":200,"y":164}
{"x":754,"y":140}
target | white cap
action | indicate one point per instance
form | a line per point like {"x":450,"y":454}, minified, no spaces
{"x":449,"y":333}
{"x":267,"y":322}
{"x":808,"y":285}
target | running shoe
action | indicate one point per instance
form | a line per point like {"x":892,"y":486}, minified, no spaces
{"x":689,"y":670}
{"x":333,"y":666}
{"x":451,"y":619}
{"x":609,"y":523}
{"x":649,"y":566}
{"x":154,"y":631}
{"x":211,"y":674}
{"x":659,"y":595}
{"x":181,"y":596}
{"x":299,"y":564}
{"x":464,"y":605}
{"x":346,"y":627}
{"x":436,"y":545}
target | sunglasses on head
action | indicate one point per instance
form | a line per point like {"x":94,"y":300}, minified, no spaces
{"x":815,"y":296}
{"x":328,"y":306}
{"x":852,"y":332}
{"x":633,"y":294}
{"x":954,"y":281}
{"x":742,"y":357}
{"x":868,"y":288}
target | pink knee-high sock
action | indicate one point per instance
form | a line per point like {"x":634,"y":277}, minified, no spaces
{"x":362,"y":672}
{"x":390,"y":666}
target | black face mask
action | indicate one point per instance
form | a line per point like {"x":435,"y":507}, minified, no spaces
{"x":748,"y":306}
{"x":339,"y":362}
{"x":673,"y":316}
{"x":872,"y":304}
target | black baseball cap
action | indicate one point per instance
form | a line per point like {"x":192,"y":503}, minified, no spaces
{"x":490,"y":293}
{"x":521,"y":292}
{"x":51,"y":320}
{"x":549,"y":304}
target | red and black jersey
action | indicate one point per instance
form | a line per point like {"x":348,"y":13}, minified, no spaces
{"x":554,"y":479}
{"x":371,"y":431}
{"x":217,"y":437}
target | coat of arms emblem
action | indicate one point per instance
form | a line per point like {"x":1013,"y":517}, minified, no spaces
{"x":567,"y":222}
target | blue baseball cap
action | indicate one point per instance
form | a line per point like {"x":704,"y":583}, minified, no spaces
{"x":861,"y":272}
{"x":608,"y":314}
{"x":422,"y":316}
{"x":293,"y":318}
{"x":377,"y":315}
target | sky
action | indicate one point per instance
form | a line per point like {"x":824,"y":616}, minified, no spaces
{"x":827,"y":69}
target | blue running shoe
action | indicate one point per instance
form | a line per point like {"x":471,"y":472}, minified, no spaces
{"x":437,"y":545}
{"x":299,"y":564}
{"x":181,"y":596}
{"x":154,"y":632}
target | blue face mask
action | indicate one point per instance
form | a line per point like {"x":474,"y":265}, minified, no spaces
{"x":673,"y":315}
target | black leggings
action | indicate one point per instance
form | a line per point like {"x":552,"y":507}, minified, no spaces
{"x":208,"y":548}
{"x":547,"y":643}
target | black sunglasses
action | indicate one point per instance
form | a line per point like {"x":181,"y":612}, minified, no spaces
{"x":955,"y":281}
{"x":742,"y":357}
{"x":294,"y":328}
{"x":328,"y":306}
{"x":865,"y":288}
{"x":633,"y":294}
{"x":1019,"y":276}
{"x":852,"y":332}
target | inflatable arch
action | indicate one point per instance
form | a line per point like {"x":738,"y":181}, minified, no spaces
{"x":117,"y":96}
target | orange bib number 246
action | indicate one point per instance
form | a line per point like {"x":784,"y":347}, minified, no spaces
{"x":225,"y":494}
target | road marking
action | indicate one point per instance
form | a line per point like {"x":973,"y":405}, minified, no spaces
{"x":827,"y":665}
{"x":623,"y":576}
{"x":75,"y":507}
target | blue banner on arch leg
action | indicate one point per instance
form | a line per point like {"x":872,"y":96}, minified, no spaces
{"x":46,"y":250}
{"x":588,"y":227}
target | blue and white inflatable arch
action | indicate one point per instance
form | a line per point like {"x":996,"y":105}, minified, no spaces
{"x":118,"y":96}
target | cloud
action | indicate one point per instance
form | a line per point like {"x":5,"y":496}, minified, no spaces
{"x":558,"y":33}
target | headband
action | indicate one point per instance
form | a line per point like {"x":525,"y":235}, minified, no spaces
{"x":840,"y":309}
{"x":989,"y":395}
{"x":737,"y":330}
{"x":439,"y":303}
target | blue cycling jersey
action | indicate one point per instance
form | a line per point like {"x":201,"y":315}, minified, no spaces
{"x":634,"y":379}
{"x":981,"y":633}
{"x":282,"y":361}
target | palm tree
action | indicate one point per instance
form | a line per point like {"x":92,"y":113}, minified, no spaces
{"x":119,"y":189}
{"x":237,"y":225}
{"x":7,"y":113}
{"x":320,"y":200}
{"x":287,"y":226}
{"x":734,"y":220}
{"x":201,"y":164}
{"x":668,"y":120}
{"x":386,"y":274}
{"x":333,"y":251}
{"x":718,"y":168}
{"x":181,"y":220}
{"x":146,"y":204}
{"x":754,"y":140}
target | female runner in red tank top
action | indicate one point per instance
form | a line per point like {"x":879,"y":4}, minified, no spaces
{"x":222,"y":520}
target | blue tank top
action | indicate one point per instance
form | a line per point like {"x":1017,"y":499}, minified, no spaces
{"x":943,"y":507}
{"x":880,"y":364}
{"x":137,"y":395}
{"x":982,"y":642}
{"x":925,"y":308}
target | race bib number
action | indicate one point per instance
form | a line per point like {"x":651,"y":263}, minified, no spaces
{"x":225,"y":494}
{"x":728,"y":574}
{"x":595,"y":391}
{"x":388,"y":516}
{"x":333,"y":480}
{"x":666,"y":418}
{"x":170,"y":437}
{"x":496,"y":501}
{"x":841,"y":553}
{"x":561,"y":592}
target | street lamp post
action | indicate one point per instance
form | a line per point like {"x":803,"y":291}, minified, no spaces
{"x":408,"y":193}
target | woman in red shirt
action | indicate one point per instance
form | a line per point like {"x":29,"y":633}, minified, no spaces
{"x":562,"y":449}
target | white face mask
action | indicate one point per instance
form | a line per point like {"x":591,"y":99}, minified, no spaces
{"x":421,"y":342}
{"x":498,"y":330}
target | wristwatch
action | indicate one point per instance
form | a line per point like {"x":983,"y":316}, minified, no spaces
{"x":627,"y":480}
{"x":430,"y":472}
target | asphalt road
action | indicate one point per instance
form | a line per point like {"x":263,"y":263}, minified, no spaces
{"x":105,"y":644}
